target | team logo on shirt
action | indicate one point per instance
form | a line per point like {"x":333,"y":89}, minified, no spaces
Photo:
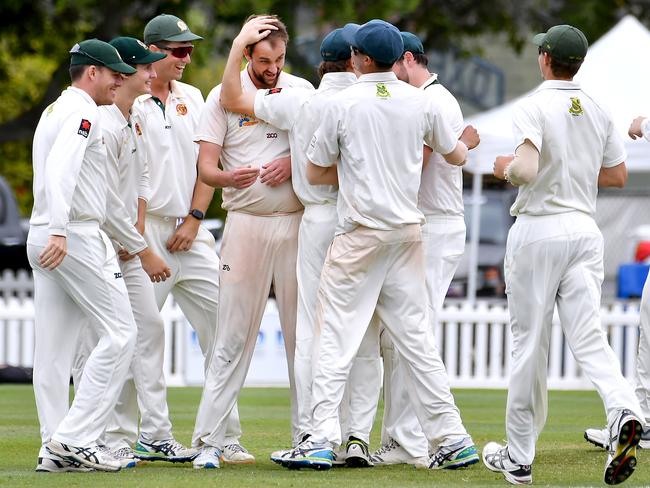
{"x":181,"y":109}
{"x":382,"y":91}
{"x":273,"y":91}
{"x":138,"y":129}
{"x":576,"y":107}
{"x":247,"y":120}
{"x":84,"y":128}
{"x":50,"y":109}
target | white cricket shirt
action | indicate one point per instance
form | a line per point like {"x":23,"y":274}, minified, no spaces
{"x":248,"y":141}
{"x":441,"y":190}
{"x":575,"y":138}
{"x":299,"y":111}
{"x":377,"y":128}
{"x":170,"y":149}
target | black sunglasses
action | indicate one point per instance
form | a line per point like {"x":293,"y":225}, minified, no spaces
{"x":177,"y":52}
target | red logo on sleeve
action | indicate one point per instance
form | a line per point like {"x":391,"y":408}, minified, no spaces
{"x":273,"y":91}
{"x":84,"y":128}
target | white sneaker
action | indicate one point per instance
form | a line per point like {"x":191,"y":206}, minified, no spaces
{"x":51,"y":463}
{"x":236,"y":454}
{"x":164,"y":450}
{"x":92,"y":456}
{"x":208,"y":458}
{"x":125,"y":456}
{"x":393,"y":453}
{"x":598,"y":437}
{"x":625,"y":434}
{"x":496,"y":458}
{"x":278,"y":457}
{"x":356,"y":454}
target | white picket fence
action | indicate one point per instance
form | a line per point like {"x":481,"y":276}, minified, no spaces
{"x":474,"y":340}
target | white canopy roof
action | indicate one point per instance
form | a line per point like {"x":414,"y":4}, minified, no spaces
{"x":615,"y":72}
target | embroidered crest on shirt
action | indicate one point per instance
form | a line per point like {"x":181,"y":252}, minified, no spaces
{"x":181,"y":109}
{"x":84,"y":128}
{"x":247,"y":120}
{"x":382,"y":91}
{"x":138,"y":129}
{"x":273,"y":91}
{"x":576,"y":107}
{"x":50,"y":109}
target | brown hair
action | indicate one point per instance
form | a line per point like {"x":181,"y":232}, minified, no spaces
{"x":339,"y":66}
{"x":276,"y":35}
{"x":564,"y":69}
{"x":76,"y":71}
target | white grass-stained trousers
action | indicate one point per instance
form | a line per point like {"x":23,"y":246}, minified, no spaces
{"x":556,"y":260}
{"x":358,"y":408}
{"x":443,"y":238}
{"x":86,"y":285}
{"x":369,"y":271}
{"x":256,"y":251}
{"x":642,"y":386}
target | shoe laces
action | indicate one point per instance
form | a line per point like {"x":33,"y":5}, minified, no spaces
{"x":236,"y":448}
{"x":123,"y":452}
{"x":392,"y":444}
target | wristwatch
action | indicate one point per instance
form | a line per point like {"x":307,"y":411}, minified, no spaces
{"x":197,"y":214}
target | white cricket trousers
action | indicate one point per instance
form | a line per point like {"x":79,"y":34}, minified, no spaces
{"x":358,"y":408}
{"x":87,"y":284}
{"x":256,"y":251}
{"x":369,"y":271}
{"x":194,"y":284}
{"x":556,"y":260}
{"x":642,"y":389}
{"x":144,"y":390}
{"x":443,"y":237}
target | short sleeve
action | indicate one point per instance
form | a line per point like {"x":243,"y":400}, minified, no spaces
{"x":439,"y":135}
{"x":324,"y":146}
{"x":614,"y":153}
{"x":280,"y":106}
{"x":527,"y":123}
{"x":213,"y":123}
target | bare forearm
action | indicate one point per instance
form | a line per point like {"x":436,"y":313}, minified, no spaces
{"x":615,"y":177}
{"x":319,"y":175}
{"x":458,"y":156}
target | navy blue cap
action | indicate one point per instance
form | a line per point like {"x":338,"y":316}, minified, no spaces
{"x":412,"y":43}
{"x":334,"y":47}
{"x":377,"y":38}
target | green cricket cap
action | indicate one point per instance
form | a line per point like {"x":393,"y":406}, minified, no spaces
{"x":134,"y":51}
{"x":412,"y":43}
{"x":167,"y":27}
{"x":563,"y":42}
{"x":99,"y":53}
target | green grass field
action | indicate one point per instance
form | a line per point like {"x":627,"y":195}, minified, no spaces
{"x":563,"y":457}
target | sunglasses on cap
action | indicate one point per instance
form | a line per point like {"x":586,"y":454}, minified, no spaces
{"x":177,"y":52}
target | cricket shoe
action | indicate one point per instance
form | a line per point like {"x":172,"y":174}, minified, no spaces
{"x":166,"y":450}
{"x":310,"y":455}
{"x":496,"y":458}
{"x":51,"y":463}
{"x":598,"y":437}
{"x":91,"y":456}
{"x":125,"y":456}
{"x":279,"y":456}
{"x":625,"y":435}
{"x":208,"y":458}
{"x":356,"y":454}
{"x":393,"y":453}
{"x":458,"y":455}
{"x":236,"y":454}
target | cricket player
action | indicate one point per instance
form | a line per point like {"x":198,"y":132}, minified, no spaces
{"x":376,"y":130}
{"x":260,"y":236}
{"x":298,"y":111}
{"x":178,"y":199}
{"x":76,"y":274}
{"x":567,"y":147}
{"x":640,"y":127}
{"x":440,"y":199}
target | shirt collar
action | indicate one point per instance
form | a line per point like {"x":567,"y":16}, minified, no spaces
{"x":337,"y":80}
{"x":176,"y":90}
{"x":561,"y":84}
{"x":115,"y":111}
{"x":83,"y":94}
{"x":381,"y":76}
{"x":430,"y":81}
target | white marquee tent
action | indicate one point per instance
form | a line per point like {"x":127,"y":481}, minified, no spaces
{"x":615,"y":72}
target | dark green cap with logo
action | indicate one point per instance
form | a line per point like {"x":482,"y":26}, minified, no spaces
{"x":412,"y":43}
{"x":563,"y":42}
{"x":99,"y":53}
{"x":167,"y":27}
{"x":134,"y":51}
